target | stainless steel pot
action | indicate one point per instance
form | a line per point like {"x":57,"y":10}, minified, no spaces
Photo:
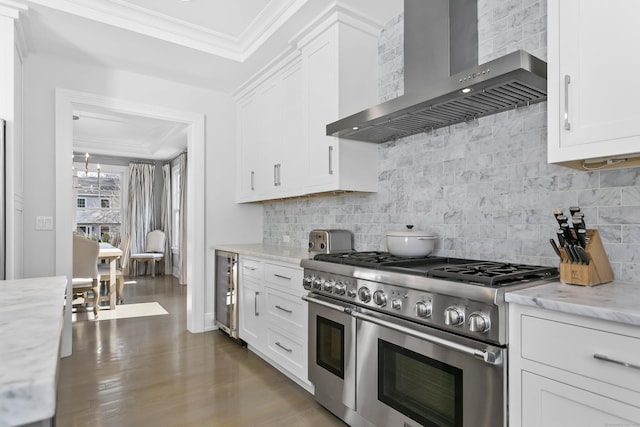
{"x":410,"y":242}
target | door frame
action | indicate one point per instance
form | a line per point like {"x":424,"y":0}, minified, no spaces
{"x":69,"y":100}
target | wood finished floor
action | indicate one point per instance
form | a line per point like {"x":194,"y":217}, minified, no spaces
{"x":150,"y":371}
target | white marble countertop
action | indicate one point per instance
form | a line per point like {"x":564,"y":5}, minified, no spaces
{"x":616,"y":301}
{"x":277,"y":253}
{"x":31,"y":318}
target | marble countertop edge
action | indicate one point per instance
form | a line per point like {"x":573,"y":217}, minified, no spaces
{"x":617,"y":301}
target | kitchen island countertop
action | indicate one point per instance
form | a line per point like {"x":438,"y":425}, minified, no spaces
{"x":277,"y":253}
{"x":31,"y":319}
{"x":616,"y":301}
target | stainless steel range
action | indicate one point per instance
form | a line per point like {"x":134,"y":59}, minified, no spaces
{"x":411,"y":341}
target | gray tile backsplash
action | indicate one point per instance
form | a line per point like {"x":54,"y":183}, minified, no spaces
{"x":484,"y":187}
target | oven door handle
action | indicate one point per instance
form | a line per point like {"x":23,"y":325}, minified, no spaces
{"x":490,"y":357}
{"x":336,"y":307}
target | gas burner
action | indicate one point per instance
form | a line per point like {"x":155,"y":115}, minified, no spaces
{"x":492,"y":273}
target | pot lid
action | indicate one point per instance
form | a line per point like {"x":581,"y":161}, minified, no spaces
{"x":410,"y":232}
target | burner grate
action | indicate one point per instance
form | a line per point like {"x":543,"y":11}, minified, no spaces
{"x":492,"y":273}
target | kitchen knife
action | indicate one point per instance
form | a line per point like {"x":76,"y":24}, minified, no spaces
{"x":582,"y":237}
{"x":568,"y":235}
{"x":555,"y":248}
{"x":584,"y":256}
{"x":561,"y":219}
{"x":574,"y":210}
{"x":573,"y":257}
{"x":561,"y":237}
{"x":558,"y":213}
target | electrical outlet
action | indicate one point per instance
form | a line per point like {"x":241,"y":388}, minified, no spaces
{"x":286,"y":238}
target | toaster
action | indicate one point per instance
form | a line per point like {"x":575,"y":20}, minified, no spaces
{"x":330,"y":241}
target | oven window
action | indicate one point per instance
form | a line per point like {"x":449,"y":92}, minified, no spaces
{"x":330,"y":346}
{"x":424,"y":389}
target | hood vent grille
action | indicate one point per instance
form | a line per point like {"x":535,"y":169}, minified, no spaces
{"x":425,"y":118}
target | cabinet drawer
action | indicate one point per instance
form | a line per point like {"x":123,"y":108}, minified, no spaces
{"x":288,"y":352}
{"x":250,"y":267}
{"x":284,"y":276}
{"x":286,"y":311}
{"x":572,"y":348}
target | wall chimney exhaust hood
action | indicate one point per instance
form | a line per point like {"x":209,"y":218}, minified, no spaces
{"x":443,"y":83}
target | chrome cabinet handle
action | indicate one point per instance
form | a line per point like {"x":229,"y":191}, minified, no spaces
{"x":282,"y":277}
{"x":255,"y":305}
{"x":331,"y":160}
{"x":284,"y":309}
{"x":279,"y":178}
{"x":253,"y":174}
{"x":605,"y":358}
{"x":490,"y":357}
{"x":288,"y":350}
{"x":567,"y":80}
{"x":275,"y":175}
{"x":246,"y":267}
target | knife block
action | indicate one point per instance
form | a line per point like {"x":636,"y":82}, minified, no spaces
{"x":596,"y":272}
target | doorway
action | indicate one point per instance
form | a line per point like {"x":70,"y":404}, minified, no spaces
{"x":66,"y":102}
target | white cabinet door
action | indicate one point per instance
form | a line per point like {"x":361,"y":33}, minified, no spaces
{"x":251,"y":315}
{"x":593,"y":61}
{"x":290,"y":151}
{"x":248,"y":155}
{"x":320,"y":61}
{"x":550,"y":403}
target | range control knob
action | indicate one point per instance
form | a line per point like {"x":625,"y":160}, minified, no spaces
{"x":340,"y":288}
{"x":479,"y":322}
{"x":453,"y":316}
{"x":317,"y":284}
{"x":328,"y":285}
{"x":423,"y":309}
{"x":307,"y":282}
{"x":364,"y":294}
{"x":396,"y":304}
{"x":380,"y":298}
{"x":351,"y":293}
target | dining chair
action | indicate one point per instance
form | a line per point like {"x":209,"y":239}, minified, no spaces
{"x":105,"y":273}
{"x":86,"y":277}
{"x":153,"y":254}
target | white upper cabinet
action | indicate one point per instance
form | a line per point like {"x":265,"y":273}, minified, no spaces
{"x":340,"y":78}
{"x":282,"y":116}
{"x":271,"y":133}
{"x":594,"y":113}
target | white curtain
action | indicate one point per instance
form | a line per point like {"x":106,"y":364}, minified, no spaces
{"x":182,"y":264}
{"x":166,"y":216}
{"x":140,"y":215}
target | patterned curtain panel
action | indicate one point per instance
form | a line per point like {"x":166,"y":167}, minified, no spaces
{"x":182,"y":264}
{"x":140,"y":217}
{"x":166,"y":216}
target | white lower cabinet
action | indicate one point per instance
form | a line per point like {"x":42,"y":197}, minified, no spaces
{"x":273,"y":317}
{"x":572,"y":371}
{"x":250,"y":314}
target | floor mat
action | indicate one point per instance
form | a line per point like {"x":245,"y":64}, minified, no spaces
{"x":123,"y":311}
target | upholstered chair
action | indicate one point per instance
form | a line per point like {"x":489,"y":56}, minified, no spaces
{"x":153,"y":254}
{"x":86,"y":277}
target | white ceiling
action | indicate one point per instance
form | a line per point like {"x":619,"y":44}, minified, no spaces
{"x":224,"y":43}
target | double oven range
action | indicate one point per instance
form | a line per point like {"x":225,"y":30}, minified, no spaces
{"x":411,"y":341}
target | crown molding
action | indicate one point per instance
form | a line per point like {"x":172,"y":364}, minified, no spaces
{"x":12,"y":8}
{"x":124,"y":15}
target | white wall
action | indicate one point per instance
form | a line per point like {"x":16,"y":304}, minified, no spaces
{"x":226,"y":222}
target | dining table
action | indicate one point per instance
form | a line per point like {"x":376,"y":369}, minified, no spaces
{"x":110,"y":254}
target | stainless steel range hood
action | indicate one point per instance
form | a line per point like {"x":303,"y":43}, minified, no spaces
{"x":443,"y":84}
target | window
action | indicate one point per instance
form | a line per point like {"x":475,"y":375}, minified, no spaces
{"x":175,"y":207}
{"x":98,"y":212}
